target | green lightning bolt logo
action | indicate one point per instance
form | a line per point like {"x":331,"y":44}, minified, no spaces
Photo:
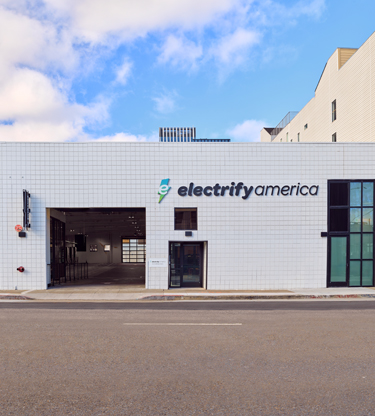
{"x":163,"y":189}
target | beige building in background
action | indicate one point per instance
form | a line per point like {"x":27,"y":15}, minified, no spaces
{"x":343,"y":108}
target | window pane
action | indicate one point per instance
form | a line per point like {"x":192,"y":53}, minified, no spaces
{"x":368,"y":223}
{"x":339,"y":219}
{"x":338,"y":259}
{"x":355,"y":246}
{"x":185,"y":218}
{"x":134,"y":251}
{"x":178,"y":218}
{"x":355,"y":194}
{"x":355,"y":273}
{"x":193,"y":219}
{"x":367,"y":271}
{"x":175,"y":277}
{"x":367,"y":247}
{"x":338,"y":194}
{"x":368,"y":194}
{"x":355,"y":219}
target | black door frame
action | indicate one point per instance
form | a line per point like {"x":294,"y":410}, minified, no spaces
{"x":203,"y":253}
{"x":345,"y":233}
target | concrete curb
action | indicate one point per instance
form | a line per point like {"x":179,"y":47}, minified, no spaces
{"x":177,"y":297}
{"x":256,"y":297}
{"x":14,"y":297}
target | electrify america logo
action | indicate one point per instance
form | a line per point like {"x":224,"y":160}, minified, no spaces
{"x":163,"y":189}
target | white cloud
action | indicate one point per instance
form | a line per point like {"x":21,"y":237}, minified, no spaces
{"x":312,"y":8}
{"x":248,"y":131}
{"x":47,"y":44}
{"x":126,"y":137}
{"x":232,"y":49}
{"x":32,"y":131}
{"x":37,"y":43}
{"x":180,"y":52}
{"x":98,"y":21}
{"x":39,"y":111}
{"x":123,"y":72}
{"x":165,"y":103}
{"x":273,"y":13}
{"x":37,"y":62}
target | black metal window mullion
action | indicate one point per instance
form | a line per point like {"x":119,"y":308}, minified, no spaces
{"x":335,"y":230}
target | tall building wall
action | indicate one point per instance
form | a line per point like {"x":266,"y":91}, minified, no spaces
{"x":353,"y":88}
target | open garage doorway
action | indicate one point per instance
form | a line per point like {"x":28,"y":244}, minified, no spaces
{"x":97,"y":246}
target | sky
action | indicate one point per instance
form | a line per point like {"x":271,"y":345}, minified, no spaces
{"x":117,"y":70}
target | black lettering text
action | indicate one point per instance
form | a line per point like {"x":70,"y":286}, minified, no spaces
{"x":217,"y":188}
{"x":247,"y":191}
{"x":191,"y":186}
{"x":273,"y":188}
{"x":231,"y":190}
{"x":256,"y":190}
{"x":238,"y":188}
{"x":316,"y":187}
{"x":285,"y":190}
{"x":304,"y":186}
{"x":182,"y":190}
{"x":198,"y":191}
{"x":207,"y":190}
{"x":223,"y":189}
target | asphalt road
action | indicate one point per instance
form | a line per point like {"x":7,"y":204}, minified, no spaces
{"x":187,"y":358}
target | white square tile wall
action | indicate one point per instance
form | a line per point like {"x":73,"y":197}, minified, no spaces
{"x":258,"y":243}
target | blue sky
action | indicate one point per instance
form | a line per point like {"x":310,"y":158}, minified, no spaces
{"x":116,"y":70}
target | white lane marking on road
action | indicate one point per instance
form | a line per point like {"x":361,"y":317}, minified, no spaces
{"x":182,"y":324}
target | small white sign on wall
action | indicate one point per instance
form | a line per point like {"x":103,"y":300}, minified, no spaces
{"x":158,"y":263}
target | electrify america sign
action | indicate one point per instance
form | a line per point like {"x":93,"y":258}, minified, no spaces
{"x":240,"y":190}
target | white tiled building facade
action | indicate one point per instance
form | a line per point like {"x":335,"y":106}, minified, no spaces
{"x":262,"y":242}
{"x":342,"y":109}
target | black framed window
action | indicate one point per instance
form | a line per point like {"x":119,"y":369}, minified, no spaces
{"x":351,"y":233}
{"x":334,"y":137}
{"x":334,"y":114}
{"x":185,"y":219}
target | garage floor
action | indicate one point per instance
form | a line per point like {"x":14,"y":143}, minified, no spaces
{"x":113,"y":276}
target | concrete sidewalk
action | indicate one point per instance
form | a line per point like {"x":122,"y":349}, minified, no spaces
{"x":138,"y":294}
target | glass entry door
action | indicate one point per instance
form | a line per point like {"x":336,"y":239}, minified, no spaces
{"x":338,"y":261}
{"x":186,"y":264}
